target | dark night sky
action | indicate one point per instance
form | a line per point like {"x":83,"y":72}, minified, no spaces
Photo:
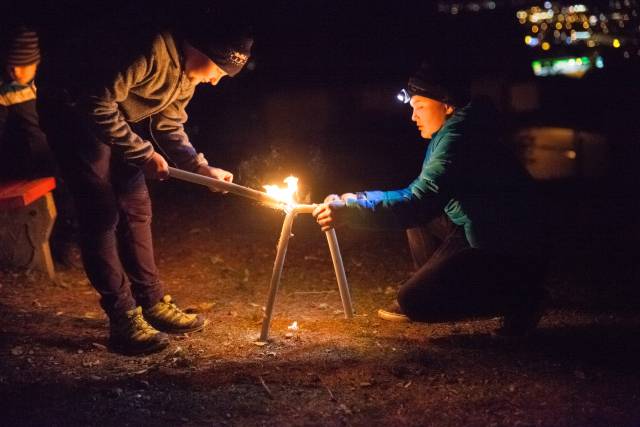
{"x":313,"y":42}
{"x":326,"y":73}
{"x":329,"y":42}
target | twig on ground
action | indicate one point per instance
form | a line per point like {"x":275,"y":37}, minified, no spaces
{"x":265,"y":386}
{"x":331,"y":395}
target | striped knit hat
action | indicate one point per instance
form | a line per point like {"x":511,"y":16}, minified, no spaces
{"x":22,"y":47}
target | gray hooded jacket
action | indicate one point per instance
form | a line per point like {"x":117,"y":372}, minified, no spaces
{"x":154,"y":86}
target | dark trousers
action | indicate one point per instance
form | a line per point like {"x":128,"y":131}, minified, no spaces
{"x":458,"y":281}
{"x":113,"y":208}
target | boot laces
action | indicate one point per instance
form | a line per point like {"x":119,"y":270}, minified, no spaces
{"x":173,"y":310}
{"x":141,"y":324}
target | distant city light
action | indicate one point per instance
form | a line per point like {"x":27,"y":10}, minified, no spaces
{"x":557,"y":25}
{"x":580,"y":35}
{"x":578,"y":8}
{"x":541,"y":16}
{"x":567,"y":27}
{"x":454,"y":7}
{"x":531,"y":41}
{"x":568,"y":66}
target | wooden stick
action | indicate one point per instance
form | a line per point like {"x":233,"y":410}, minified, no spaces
{"x":220,"y":185}
{"x":265,"y":386}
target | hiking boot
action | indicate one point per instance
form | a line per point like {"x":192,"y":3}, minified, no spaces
{"x":522,"y":321}
{"x":393,"y":313}
{"x":131,"y":334}
{"x":167,"y":317}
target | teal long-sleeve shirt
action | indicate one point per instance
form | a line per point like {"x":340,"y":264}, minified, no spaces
{"x":469,"y":175}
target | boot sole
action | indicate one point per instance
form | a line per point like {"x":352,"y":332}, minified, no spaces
{"x":128,"y":351}
{"x":181,"y":330}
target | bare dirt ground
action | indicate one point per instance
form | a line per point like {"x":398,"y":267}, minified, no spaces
{"x":216,"y":254}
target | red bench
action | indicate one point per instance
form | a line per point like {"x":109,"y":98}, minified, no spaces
{"x":27,"y":214}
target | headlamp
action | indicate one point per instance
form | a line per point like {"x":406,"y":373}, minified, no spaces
{"x":403,"y":96}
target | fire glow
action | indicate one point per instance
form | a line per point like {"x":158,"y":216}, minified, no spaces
{"x":285,"y":199}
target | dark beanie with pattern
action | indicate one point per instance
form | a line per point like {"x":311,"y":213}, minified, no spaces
{"x":443,"y":82}
{"x":229,"y":52}
{"x":222,"y":33}
{"x":22,"y":47}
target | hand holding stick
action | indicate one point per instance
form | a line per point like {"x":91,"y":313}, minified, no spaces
{"x":220,"y":185}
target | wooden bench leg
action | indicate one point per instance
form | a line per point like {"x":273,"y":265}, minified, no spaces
{"x":41,"y":232}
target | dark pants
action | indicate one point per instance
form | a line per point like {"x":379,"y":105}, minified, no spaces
{"x":114,"y":211}
{"x":458,"y":281}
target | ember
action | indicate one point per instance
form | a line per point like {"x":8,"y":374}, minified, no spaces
{"x":293,"y":326}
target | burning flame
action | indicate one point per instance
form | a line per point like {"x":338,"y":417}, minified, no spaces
{"x":284,"y":195}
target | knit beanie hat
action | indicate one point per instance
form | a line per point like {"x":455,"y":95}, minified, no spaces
{"x":222,"y":32}
{"x":447,"y":84}
{"x":230,"y":53}
{"x":22,"y":47}
{"x":222,"y":38}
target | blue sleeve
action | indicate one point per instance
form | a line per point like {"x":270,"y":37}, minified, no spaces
{"x":421,"y":201}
